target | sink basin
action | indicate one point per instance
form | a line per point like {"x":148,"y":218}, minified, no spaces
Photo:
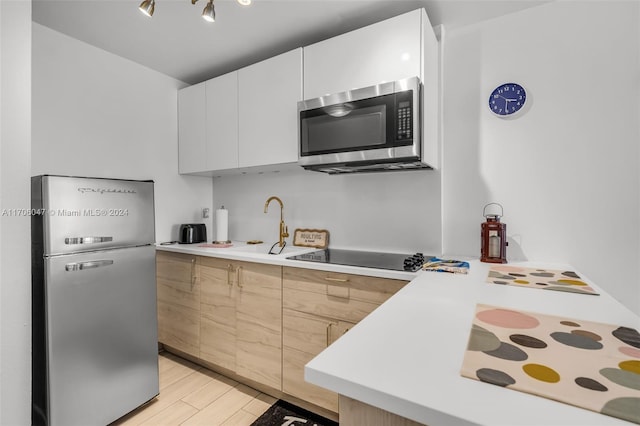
{"x":288,"y":250}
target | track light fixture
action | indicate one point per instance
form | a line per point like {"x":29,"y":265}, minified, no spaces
{"x":147,"y":7}
{"x":208,"y":14}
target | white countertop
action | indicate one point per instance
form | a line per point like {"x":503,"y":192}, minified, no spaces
{"x":406,"y":356}
{"x":257,"y":253}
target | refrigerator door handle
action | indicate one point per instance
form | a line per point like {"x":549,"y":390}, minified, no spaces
{"x":87,"y":240}
{"x":79,"y":266}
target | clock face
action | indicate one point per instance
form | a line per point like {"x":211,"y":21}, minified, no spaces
{"x":507,"y":99}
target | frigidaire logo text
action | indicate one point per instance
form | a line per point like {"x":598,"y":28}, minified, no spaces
{"x":107,"y":190}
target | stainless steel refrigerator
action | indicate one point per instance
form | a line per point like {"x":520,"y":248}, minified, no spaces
{"x":95,"y":352}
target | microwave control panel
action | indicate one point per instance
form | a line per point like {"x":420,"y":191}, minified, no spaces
{"x":404,"y":121}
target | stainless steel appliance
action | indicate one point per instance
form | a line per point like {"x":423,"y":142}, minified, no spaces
{"x":366,"y":259}
{"x":191,"y":233}
{"x":95,"y":353}
{"x":372,"y":129}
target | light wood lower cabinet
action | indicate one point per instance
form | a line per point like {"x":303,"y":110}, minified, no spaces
{"x":218,"y":312}
{"x":178,"y":301}
{"x":241,"y":318}
{"x":318,"y":308}
{"x":262,"y":322}
{"x":305,"y":336}
{"x":356,"y":413}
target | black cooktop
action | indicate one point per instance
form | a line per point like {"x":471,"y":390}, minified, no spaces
{"x":366,"y":259}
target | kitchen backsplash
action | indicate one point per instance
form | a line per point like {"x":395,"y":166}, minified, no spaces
{"x":398,"y":212}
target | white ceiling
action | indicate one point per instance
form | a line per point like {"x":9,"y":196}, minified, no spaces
{"x":177,"y":42}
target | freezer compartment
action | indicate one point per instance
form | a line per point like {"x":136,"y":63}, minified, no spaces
{"x":87,"y":214}
{"x":101,"y":332}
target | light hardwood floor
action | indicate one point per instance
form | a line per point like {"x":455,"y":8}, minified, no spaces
{"x":192,"y":395}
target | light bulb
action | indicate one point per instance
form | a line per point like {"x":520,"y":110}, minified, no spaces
{"x":244,"y":2}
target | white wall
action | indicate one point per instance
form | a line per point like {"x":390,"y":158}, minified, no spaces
{"x":97,"y":114}
{"x":15,"y":244}
{"x":566,"y":172}
{"x":396,"y":212}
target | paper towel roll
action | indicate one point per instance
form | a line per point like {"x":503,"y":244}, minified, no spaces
{"x":222,"y":225}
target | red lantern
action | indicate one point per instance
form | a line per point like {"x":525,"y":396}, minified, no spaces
{"x":493,"y":234}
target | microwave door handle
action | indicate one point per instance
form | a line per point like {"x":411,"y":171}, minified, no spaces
{"x":81,"y":266}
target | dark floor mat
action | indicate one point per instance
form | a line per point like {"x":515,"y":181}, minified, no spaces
{"x":283,"y":413}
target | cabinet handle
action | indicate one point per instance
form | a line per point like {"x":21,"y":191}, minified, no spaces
{"x":337,"y":280}
{"x":193,"y":272}
{"x":328,"y":332}
{"x":229,"y":271}
{"x":238,"y":274}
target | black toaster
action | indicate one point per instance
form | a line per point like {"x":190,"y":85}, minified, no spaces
{"x":193,"y":233}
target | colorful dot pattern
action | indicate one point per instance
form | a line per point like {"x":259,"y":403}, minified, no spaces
{"x":586,"y":364}
{"x":545,"y":279}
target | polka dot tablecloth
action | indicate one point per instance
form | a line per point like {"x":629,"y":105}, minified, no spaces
{"x":545,"y":279}
{"x":587,"y":364}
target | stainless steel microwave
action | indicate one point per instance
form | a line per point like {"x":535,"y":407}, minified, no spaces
{"x":372,"y":129}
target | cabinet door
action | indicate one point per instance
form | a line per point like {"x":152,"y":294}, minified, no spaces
{"x":268,"y":95}
{"x":178,"y":302}
{"x":218,"y":311}
{"x":386,"y":51}
{"x":241,"y":318}
{"x":259,"y":323}
{"x":191,"y":129}
{"x":222,"y":122}
{"x":318,"y":308}
{"x":304,"y":337}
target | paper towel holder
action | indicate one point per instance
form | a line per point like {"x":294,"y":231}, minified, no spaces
{"x":219,"y":226}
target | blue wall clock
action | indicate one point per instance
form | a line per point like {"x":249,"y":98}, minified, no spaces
{"x":507,"y":99}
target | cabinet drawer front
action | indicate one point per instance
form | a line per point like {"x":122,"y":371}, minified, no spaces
{"x":354,"y":287}
{"x":327,"y":306}
{"x":294,"y":384}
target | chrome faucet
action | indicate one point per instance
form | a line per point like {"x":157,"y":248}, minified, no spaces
{"x":284,"y":231}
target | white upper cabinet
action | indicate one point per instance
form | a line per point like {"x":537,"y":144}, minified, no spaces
{"x":208,"y":125}
{"x":222,"y":122}
{"x":385,"y":51}
{"x":191,"y":129}
{"x":430,"y":94}
{"x":400,"y":47}
{"x":268,"y":95}
{"x":247,"y":119}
